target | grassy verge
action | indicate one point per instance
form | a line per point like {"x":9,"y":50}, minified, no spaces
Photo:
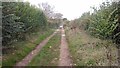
{"x":90,"y":51}
{"x":49,"y":55}
{"x":21,"y":49}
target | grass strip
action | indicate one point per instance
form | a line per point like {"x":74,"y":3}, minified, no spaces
{"x":49,"y":54}
{"x":23,"y":49}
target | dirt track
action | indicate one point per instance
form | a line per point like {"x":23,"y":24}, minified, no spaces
{"x":65,"y":59}
{"x":33,"y":53}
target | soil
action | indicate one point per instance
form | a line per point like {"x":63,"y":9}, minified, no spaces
{"x":65,"y":59}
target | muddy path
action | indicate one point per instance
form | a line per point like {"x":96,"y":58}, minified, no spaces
{"x":65,"y":59}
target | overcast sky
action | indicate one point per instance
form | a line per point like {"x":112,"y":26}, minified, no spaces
{"x":70,"y":9}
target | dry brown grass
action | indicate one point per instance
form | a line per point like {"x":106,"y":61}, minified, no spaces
{"x":90,"y":51}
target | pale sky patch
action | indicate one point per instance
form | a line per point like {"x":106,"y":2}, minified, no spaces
{"x":70,"y":9}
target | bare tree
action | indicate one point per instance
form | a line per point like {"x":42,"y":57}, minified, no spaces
{"x":47,"y":9}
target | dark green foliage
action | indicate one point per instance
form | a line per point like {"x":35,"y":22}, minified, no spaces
{"x":11,"y":29}
{"x":19,"y":19}
{"x":115,"y":18}
{"x":99,"y":25}
{"x":104,"y":22}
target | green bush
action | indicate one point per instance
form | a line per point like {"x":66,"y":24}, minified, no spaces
{"x":19,"y":19}
{"x":103,"y":22}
